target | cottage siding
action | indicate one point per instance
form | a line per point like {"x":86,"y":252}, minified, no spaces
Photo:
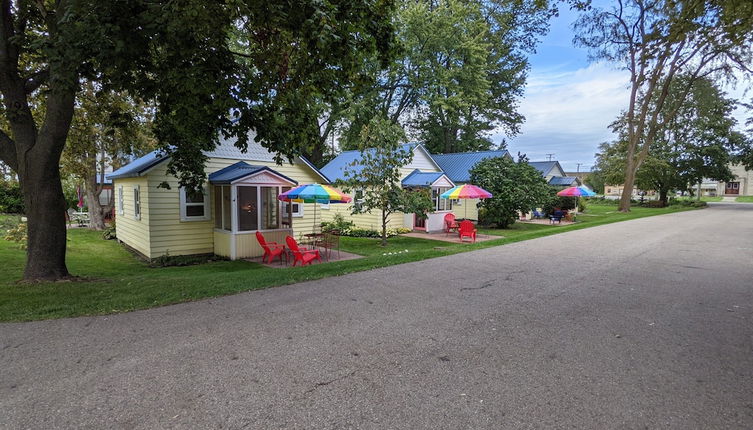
{"x":168,"y":234}
{"x":160,"y":230}
{"x":467,"y":209}
{"x":131,"y":231}
{"x":421,"y":162}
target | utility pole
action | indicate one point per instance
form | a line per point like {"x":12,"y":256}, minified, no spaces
{"x":549,"y":157}
{"x":577,"y":170}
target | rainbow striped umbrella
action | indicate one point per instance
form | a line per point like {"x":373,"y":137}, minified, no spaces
{"x":314,"y":193}
{"x":576,"y":192}
{"x":466,"y":191}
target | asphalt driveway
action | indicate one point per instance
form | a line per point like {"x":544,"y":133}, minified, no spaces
{"x":641,"y":324}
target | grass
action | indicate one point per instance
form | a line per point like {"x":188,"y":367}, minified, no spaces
{"x":744,"y":199}
{"x":115,"y":281}
{"x":703,"y":198}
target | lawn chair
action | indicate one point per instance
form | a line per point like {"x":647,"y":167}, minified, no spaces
{"x":271,"y":249}
{"x":450,"y":224}
{"x":556,"y":217}
{"x":330,"y":242}
{"x":467,"y":229}
{"x":305,"y":256}
{"x":537,"y":214}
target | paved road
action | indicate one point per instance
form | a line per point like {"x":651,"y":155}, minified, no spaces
{"x":641,"y":324}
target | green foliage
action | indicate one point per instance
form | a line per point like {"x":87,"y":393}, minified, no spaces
{"x":557,"y":202}
{"x":11,"y":198}
{"x":582,"y":205}
{"x":109,"y":233}
{"x":514,"y":187}
{"x":595,"y":180}
{"x":462,"y":65}
{"x":364,"y":232}
{"x":376,"y":175}
{"x":168,"y":260}
{"x":17,"y":234}
{"x":338,"y":223}
{"x":688,"y":203}
{"x":697,"y":141}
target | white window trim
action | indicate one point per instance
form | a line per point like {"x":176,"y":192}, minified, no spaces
{"x":137,"y":202}
{"x":184,"y":204}
{"x":284,"y":209}
{"x":120,"y":200}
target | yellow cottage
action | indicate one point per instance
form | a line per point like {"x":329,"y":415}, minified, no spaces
{"x":239,"y":199}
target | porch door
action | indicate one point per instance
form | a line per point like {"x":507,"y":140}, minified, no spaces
{"x":419,"y":223}
{"x":732,"y":188}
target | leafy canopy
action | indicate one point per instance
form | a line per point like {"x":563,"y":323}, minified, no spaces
{"x":515,"y":187}
{"x":376,"y":176}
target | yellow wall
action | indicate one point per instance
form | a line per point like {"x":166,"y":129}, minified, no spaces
{"x":222,"y":244}
{"x":467,"y":209}
{"x":161,"y":230}
{"x":131,"y":231}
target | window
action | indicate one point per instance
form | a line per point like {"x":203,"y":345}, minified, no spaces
{"x":137,"y":202}
{"x":222,"y":215}
{"x":248,"y":209}
{"x":358,"y":199}
{"x":270,"y":210}
{"x":120,"y":200}
{"x":194,"y":205}
{"x":296,"y":207}
{"x":440,"y":204}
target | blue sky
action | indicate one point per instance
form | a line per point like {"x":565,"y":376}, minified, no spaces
{"x":569,"y":102}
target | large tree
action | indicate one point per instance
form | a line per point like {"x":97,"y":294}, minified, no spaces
{"x":656,"y":40}
{"x":108,"y":128}
{"x":177,"y":54}
{"x":375,"y":176}
{"x":515,"y":187}
{"x":697,"y":142}
{"x":460,"y":72}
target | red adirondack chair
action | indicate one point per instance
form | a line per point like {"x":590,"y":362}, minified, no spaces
{"x":450,"y":224}
{"x":467,"y":229}
{"x":271,"y":249}
{"x":305,"y":256}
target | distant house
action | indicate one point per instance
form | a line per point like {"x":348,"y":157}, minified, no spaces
{"x":740,"y":185}
{"x":554,"y":174}
{"x":422,"y":172}
{"x":239,"y":199}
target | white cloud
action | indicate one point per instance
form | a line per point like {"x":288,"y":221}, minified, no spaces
{"x":567,"y":113}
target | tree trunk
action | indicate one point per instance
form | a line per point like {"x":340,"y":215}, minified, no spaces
{"x":663,"y":197}
{"x":384,"y":227}
{"x":627,"y":191}
{"x":97,"y":211}
{"x":45,"y":210}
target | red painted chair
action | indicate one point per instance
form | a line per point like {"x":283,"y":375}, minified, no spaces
{"x":467,"y":229}
{"x":271,"y":249}
{"x":450,"y":224}
{"x":305,"y":256}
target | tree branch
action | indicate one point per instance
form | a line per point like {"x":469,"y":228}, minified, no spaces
{"x":8,"y":151}
{"x":36,"y":80}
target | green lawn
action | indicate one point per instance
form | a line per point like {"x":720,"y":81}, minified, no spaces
{"x":115,"y":281}
{"x":744,"y":199}
{"x":703,"y":198}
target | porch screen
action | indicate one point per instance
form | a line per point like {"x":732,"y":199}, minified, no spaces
{"x":270,"y":215}
{"x":248,"y":209}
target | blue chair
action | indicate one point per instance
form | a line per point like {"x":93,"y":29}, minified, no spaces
{"x":556,"y":217}
{"x":537,"y":214}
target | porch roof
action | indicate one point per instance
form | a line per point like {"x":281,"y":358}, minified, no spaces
{"x":241,"y":170}
{"x":418,"y":178}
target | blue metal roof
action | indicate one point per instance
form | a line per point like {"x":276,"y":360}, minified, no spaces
{"x":335,"y":169}
{"x":139,"y":165}
{"x":563,"y":181}
{"x":458,"y":165}
{"x":240,"y":170}
{"x":418,"y":178}
{"x":543,"y":166}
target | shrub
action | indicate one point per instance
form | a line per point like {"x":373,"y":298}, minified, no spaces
{"x":567,"y":203}
{"x":653,"y":204}
{"x":338,"y":223}
{"x":109,"y":232}
{"x":11,"y":199}
{"x":582,"y":205}
{"x":688,"y":203}
{"x":168,"y":260}
{"x":364,"y":232}
{"x":17,"y":234}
